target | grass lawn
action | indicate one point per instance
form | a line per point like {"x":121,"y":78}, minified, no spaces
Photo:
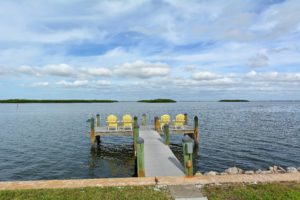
{"x":274,"y":191}
{"x":105,"y":193}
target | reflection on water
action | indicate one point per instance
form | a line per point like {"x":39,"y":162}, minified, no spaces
{"x":51,"y":141}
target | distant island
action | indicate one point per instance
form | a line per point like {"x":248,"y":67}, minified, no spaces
{"x":234,"y":100}
{"x":55,"y":101}
{"x":158,"y":101}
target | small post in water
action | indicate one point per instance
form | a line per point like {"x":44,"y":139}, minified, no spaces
{"x":92,"y":133}
{"x":196,"y":130}
{"x":144,"y":119}
{"x":140,"y":158}
{"x":136,"y":128}
{"x":185,"y":119}
{"x":97,"y":120}
{"x":167,"y":134}
{"x":187,"y":144}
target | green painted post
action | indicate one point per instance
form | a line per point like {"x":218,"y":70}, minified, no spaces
{"x":136,"y":128}
{"x":97,"y":120}
{"x":92,"y":133}
{"x":140,"y":158}
{"x":185,"y":119}
{"x":144,"y":119}
{"x":167,"y":134}
{"x":187,"y":144}
{"x":196,"y":130}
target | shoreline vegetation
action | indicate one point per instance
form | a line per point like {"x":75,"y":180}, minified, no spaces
{"x":157,"y":101}
{"x":56,"y":101}
{"x":234,"y":100}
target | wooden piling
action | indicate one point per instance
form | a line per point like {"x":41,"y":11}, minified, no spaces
{"x":92,"y":132}
{"x":144,"y":120}
{"x":140,"y":158}
{"x":187,"y":144}
{"x":156,"y":124}
{"x":136,"y":128}
{"x":185,"y":119}
{"x":97,"y":120}
{"x":196,"y":130}
{"x":167,"y":134}
{"x":135,"y":120}
{"x":98,"y":140}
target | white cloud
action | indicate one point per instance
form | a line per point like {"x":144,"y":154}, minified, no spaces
{"x":40,"y":84}
{"x":48,"y":70}
{"x":57,"y":70}
{"x":205,"y":75}
{"x":138,"y":69}
{"x":74,"y":84}
{"x":84,"y":84}
{"x":96,"y":71}
{"x":141,"y":69}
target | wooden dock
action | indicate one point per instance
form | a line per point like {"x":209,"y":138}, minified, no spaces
{"x":159,"y":159}
{"x":154,"y":158}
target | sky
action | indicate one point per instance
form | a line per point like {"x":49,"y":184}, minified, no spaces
{"x":137,"y":49}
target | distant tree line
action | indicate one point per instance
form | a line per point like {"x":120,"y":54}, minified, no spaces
{"x":55,"y":101}
{"x":234,"y":100}
{"x":158,"y":101}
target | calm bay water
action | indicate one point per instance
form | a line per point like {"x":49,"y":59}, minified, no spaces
{"x":51,"y":141}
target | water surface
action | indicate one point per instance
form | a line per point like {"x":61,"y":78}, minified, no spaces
{"x":51,"y":141}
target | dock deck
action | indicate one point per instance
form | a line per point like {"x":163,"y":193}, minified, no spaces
{"x":159,"y":159}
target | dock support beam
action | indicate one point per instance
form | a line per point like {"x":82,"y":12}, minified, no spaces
{"x":167,"y":134}
{"x":187,"y":144}
{"x":156,"y":124}
{"x":136,"y":130}
{"x":92,"y":132}
{"x":97,"y":120}
{"x":144,"y":119}
{"x":140,"y":158}
{"x":196,"y":130}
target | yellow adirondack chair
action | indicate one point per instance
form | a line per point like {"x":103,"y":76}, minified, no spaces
{"x":127,"y":122}
{"x":164,"y":119}
{"x":179,"y":121}
{"x":112,"y":122}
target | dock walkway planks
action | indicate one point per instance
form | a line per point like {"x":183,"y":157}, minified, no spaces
{"x":159,"y":159}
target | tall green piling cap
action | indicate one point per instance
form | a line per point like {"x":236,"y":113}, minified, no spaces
{"x":186,"y":139}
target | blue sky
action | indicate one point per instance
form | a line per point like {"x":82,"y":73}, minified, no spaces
{"x":129,"y":50}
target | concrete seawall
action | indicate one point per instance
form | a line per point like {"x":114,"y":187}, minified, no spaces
{"x":148,"y":181}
